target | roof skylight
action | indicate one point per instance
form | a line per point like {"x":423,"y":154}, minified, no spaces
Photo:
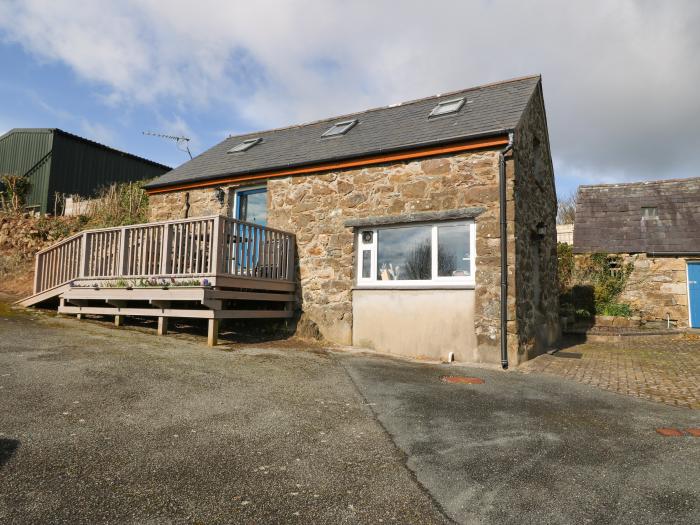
{"x":447,"y":106}
{"x":245,"y":145}
{"x":340,"y":128}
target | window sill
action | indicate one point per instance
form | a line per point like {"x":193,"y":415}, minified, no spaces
{"x":421,"y":217}
{"x":426,"y":287}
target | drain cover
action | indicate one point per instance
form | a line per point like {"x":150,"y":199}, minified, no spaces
{"x":669,"y":432}
{"x":462,"y":379}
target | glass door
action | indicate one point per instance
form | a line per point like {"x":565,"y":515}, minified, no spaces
{"x":251,"y":206}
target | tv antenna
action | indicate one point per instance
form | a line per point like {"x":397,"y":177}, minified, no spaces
{"x":180,"y":141}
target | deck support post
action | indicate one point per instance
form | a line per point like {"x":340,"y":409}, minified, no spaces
{"x":212,"y":332}
{"x":79,"y":316}
{"x":118,"y":320}
{"x":162,"y":325}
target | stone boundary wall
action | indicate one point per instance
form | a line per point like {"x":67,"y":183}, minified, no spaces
{"x":656,"y":287}
{"x":21,"y":236}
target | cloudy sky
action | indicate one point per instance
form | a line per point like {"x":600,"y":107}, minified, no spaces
{"x":621,"y":77}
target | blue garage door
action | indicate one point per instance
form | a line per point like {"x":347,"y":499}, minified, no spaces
{"x":694,"y":293}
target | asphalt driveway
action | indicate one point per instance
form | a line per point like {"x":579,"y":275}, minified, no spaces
{"x":99,"y":425}
{"x":535,"y":448}
{"x":103,"y":425}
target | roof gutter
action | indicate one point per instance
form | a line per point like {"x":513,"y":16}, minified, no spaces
{"x":695,"y":253}
{"x":503,"y":195}
{"x":668,"y":254}
{"x":217,"y":179}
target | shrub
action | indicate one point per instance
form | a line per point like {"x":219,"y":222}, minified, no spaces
{"x":616,"y":309}
{"x":13,"y":192}
{"x":117,"y":205}
{"x":11,"y":263}
{"x":582,"y":313}
{"x":592,"y":283}
{"x":609,"y":275}
{"x":565,"y":257}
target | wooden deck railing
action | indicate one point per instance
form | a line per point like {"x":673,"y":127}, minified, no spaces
{"x":198,"y":247}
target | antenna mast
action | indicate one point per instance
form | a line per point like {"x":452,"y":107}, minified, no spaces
{"x":180,"y":141}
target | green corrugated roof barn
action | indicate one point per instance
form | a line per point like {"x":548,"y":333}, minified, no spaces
{"x":59,"y":162}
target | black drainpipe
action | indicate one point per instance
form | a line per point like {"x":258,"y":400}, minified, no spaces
{"x":504,"y":250}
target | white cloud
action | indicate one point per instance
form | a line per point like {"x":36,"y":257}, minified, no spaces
{"x":98,"y":132}
{"x":620,"y":77}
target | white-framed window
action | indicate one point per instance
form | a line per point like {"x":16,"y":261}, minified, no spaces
{"x":421,"y":254}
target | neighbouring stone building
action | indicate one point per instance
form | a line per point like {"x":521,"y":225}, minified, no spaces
{"x":655,"y":226}
{"x":397,"y":216}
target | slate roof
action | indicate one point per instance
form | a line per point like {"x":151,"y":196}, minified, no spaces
{"x":489,"y":110}
{"x":609,"y":217}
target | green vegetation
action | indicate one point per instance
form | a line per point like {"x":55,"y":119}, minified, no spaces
{"x":117,"y":205}
{"x":616,"y":309}
{"x":10,"y":263}
{"x":592,"y":284}
{"x":13,"y":192}
{"x":565,"y":269}
{"x":57,"y":228}
{"x":150,"y":282}
{"x":23,"y":234}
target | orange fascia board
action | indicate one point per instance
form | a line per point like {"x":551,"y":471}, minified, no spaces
{"x":366,"y":161}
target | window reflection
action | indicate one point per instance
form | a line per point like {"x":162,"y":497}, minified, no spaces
{"x":404,"y":254}
{"x":366,"y":264}
{"x":252,"y":206}
{"x":453,"y":251}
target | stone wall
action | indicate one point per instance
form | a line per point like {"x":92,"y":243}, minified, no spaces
{"x":656,"y":287}
{"x":183,"y":204}
{"x":21,"y":237}
{"x":315,"y":208}
{"x":537,"y":296}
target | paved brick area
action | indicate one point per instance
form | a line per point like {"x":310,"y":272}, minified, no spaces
{"x":662,"y":369}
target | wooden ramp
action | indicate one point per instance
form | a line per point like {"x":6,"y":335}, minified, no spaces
{"x":210,"y":268}
{"x":43,"y":297}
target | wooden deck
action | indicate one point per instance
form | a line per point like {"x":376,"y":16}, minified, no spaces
{"x":207,"y":267}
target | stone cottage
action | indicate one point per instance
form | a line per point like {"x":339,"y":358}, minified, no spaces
{"x":399,"y":214}
{"x":655,"y":225}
